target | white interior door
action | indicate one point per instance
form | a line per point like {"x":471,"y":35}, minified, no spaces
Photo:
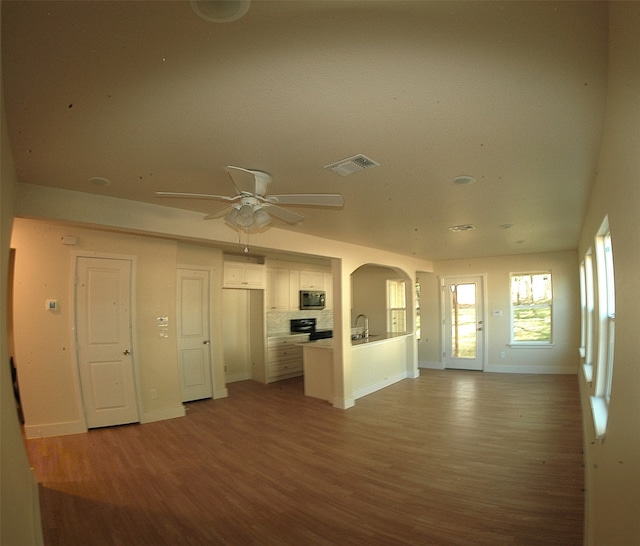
{"x":194,"y":343}
{"x":236,"y":334}
{"x":463,"y":323}
{"x":103,"y":327}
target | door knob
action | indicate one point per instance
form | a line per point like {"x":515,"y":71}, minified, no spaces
{"x":127,"y":352}
{"x":206,"y":342}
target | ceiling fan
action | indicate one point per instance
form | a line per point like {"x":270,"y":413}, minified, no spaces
{"x":252,"y":208}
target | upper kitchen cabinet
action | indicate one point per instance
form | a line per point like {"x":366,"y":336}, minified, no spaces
{"x":311,"y":280}
{"x":278,"y":290}
{"x":244,"y":275}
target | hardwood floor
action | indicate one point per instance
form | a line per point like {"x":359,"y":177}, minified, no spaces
{"x":453,"y":457}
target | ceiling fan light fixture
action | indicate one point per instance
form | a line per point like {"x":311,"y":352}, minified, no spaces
{"x":232,"y":215}
{"x":261,"y":217}
{"x":244,"y":218}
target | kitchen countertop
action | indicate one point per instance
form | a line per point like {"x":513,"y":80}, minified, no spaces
{"x":375,"y":338}
{"x":328,"y":343}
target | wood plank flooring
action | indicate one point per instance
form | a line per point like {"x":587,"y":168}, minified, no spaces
{"x":453,"y":457}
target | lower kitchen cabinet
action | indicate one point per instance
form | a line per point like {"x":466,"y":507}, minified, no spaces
{"x":284,"y":357}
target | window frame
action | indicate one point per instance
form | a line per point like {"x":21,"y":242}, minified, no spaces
{"x":530,"y":343}
{"x":392,"y":292}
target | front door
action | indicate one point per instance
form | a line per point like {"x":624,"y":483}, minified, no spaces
{"x":194,"y":343}
{"x":463,"y":323}
{"x":105,"y":355}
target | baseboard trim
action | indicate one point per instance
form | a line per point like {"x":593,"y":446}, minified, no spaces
{"x":431,"y":365}
{"x":369,"y":389}
{"x":54,"y":429}
{"x":344,"y":403}
{"x":161,"y":415}
{"x":220,"y":393}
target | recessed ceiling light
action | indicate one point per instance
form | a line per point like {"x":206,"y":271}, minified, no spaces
{"x":462,"y":227}
{"x":463,"y":180}
{"x":220,"y":11}
{"x":99,"y":181}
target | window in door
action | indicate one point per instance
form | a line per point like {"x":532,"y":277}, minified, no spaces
{"x":396,"y":306}
{"x":463,"y":320}
{"x":531,"y":308}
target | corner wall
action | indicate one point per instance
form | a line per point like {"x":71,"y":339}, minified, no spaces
{"x":612,"y":468}
{"x":562,"y":357}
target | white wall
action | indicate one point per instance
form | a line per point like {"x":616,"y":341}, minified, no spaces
{"x":562,"y":357}
{"x":613,"y":466}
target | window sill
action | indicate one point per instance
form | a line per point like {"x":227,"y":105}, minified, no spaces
{"x":531,"y":345}
{"x":600,"y":414}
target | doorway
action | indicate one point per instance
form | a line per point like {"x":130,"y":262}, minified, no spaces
{"x":103,"y":321}
{"x":463,"y":320}
{"x":236,"y":334}
{"x":194,"y":334}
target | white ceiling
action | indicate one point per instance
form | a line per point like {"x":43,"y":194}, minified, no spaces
{"x":151,"y":97}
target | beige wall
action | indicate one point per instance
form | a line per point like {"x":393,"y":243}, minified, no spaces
{"x":613,"y":466}
{"x":44,"y":346}
{"x":19,"y":502}
{"x":369,"y":296}
{"x":562,"y":357}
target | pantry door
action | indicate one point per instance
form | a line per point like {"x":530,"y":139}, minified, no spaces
{"x":464,"y":332}
{"x":104,"y":341}
{"x":194,"y":337}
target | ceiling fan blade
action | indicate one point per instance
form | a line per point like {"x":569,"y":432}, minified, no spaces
{"x":218,"y":213}
{"x":243,"y":180}
{"x":310,"y":199}
{"x":284,"y":214}
{"x":182,"y":195}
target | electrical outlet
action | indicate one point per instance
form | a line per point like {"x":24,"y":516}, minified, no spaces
{"x":154,"y":393}
{"x":502,"y":354}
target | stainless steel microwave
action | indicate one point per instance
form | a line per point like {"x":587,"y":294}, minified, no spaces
{"x":312,"y":299}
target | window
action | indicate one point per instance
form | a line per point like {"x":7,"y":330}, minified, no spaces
{"x":588,"y":315}
{"x":531,"y":308}
{"x":606,"y":312}
{"x":604,"y":323}
{"x":418,"y":321}
{"x":396,"y":306}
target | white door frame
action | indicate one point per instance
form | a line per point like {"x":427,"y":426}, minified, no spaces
{"x":73,"y":317}
{"x":442,"y":281}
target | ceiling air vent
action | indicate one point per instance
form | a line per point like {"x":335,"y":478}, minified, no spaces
{"x":352,"y":165}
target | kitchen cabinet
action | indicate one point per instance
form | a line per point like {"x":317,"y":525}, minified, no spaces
{"x":284,"y":357}
{"x":244,"y":275}
{"x":311,"y":280}
{"x":278,"y":290}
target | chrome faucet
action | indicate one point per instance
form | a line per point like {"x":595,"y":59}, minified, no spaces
{"x":365,"y":334}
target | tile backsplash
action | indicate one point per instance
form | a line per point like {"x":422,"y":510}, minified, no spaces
{"x":278,"y":321}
